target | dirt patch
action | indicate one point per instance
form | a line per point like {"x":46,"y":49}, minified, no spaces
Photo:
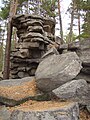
{"x":18,"y":92}
{"x":39,"y":106}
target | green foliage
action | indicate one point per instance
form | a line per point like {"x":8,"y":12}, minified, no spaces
{"x":4,"y":12}
{"x":67,"y":37}
{"x":49,"y":6}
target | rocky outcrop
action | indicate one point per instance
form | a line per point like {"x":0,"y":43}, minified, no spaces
{"x":34,"y":33}
{"x":56,"y":70}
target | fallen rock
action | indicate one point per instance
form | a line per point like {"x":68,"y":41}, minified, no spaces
{"x":50,"y":110}
{"x":14,"y":91}
{"x":76,"y":90}
{"x":57,"y":70}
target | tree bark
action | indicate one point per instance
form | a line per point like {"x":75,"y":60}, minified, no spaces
{"x":13,"y":7}
{"x":71,"y":25}
{"x":79,"y":23}
{"x":60,"y":20}
{"x":7,"y":51}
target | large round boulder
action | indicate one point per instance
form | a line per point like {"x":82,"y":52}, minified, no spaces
{"x":56,"y":70}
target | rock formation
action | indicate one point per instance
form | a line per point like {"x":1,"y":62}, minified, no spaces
{"x":59,"y":76}
{"x":34,"y":33}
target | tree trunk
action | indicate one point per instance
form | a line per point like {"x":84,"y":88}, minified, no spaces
{"x":60,"y":20}
{"x":13,"y":8}
{"x":79,"y":23}
{"x":7,"y":51}
{"x":71,"y":25}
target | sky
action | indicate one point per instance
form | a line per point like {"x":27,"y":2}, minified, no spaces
{"x":65,"y":17}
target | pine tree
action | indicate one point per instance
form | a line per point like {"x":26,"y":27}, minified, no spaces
{"x":13,"y":7}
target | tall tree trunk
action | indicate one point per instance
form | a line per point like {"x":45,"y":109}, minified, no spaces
{"x":60,"y":20}
{"x":71,"y":24}
{"x":13,"y":7}
{"x":79,"y":23}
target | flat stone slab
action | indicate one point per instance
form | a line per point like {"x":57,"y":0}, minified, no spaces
{"x":56,"y":70}
{"x":50,"y":110}
{"x":17,"y":90}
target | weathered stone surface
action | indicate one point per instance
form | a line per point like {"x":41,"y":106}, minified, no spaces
{"x":86,"y":70}
{"x":88,"y":108}
{"x":63,"y":47}
{"x":66,"y":112}
{"x":57,"y":70}
{"x":24,"y":53}
{"x":32,"y":43}
{"x":74,"y":45}
{"x":32,"y":35}
{"x":84,"y":51}
{"x":83,"y":76}
{"x":36,"y":29}
{"x":34,"y":23}
{"x":22,"y":74}
{"x":4,"y":113}
{"x":14,"y":91}
{"x":50,"y":52}
{"x":75,"y":90}
{"x":27,"y":45}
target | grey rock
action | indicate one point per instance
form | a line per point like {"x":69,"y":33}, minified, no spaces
{"x":4,"y":113}
{"x":76,"y":90}
{"x":36,"y":29}
{"x":84,"y":52}
{"x":63,"y":47}
{"x":50,"y":52}
{"x":74,"y":45}
{"x":32,"y":35}
{"x":69,"y":112}
{"x":27,"y":45}
{"x":57,"y":70}
{"x":88,"y":108}
{"x":83,"y":76}
{"x":15,"y":82}
{"x":34,"y":23}
{"x":24,"y":53}
{"x":86,"y":70}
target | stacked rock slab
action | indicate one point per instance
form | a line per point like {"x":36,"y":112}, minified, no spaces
{"x":35,"y":33}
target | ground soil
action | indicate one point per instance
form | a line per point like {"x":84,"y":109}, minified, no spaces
{"x":40,"y":105}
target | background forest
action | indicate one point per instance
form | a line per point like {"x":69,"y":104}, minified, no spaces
{"x":78,"y":10}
